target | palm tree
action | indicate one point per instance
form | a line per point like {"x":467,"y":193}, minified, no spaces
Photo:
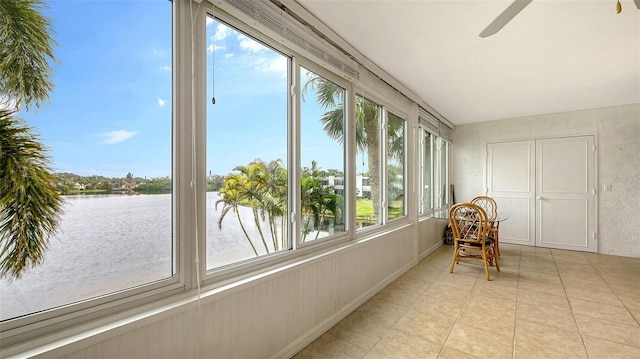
{"x":25,"y":50}
{"x":231,"y":193}
{"x":274,"y":201}
{"x":317,"y":200}
{"x":331,"y":98}
{"x":263,"y":187}
{"x":29,"y":201}
{"x":395,"y":150}
{"x":29,"y":204}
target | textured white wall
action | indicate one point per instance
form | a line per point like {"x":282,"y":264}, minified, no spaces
{"x":617,"y":131}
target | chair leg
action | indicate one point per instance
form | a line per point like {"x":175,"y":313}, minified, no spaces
{"x":485,"y":261}
{"x":497,"y":240}
{"x":455,"y":256}
{"x":497,"y":264}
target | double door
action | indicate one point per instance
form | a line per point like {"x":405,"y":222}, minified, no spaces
{"x":547,"y":187}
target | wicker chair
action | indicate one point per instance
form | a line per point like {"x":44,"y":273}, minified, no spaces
{"x":470,"y":236}
{"x":491,"y":208}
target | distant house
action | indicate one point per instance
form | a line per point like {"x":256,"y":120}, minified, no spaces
{"x":78,"y":187}
{"x":129,"y":184}
{"x":363,"y":187}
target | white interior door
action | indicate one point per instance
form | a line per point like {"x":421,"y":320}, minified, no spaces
{"x":547,"y":187}
{"x":511,"y":182}
{"x":565,"y":193}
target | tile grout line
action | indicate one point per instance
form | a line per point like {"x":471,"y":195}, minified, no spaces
{"x":515,"y":317}
{"x":570,"y":305}
{"x":614,"y":293}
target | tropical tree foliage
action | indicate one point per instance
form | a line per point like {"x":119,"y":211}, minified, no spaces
{"x":26,"y":47}
{"x":262,"y":187}
{"x":318,"y":201}
{"x":330,"y":97}
{"x":29,"y":204}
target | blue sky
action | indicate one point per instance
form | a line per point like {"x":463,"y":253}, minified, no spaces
{"x":248,"y":120}
{"x":110,"y":111}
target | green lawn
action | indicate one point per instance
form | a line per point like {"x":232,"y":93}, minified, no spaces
{"x":364,"y":207}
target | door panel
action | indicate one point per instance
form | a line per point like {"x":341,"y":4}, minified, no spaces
{"x":510,"y":181}
{"x":557,"y":229}
{"x":566,"y":193}
{"x":517,"y":228}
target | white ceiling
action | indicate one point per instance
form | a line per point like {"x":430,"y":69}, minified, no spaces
{"x":554,"y":56}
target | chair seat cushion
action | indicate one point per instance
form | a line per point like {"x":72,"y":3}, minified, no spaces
{"x":488,"y":242}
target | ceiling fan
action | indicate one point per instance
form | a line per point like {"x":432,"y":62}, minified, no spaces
{"x":515,"y":8}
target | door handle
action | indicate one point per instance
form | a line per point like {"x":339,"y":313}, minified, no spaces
{"x":539,"y":198}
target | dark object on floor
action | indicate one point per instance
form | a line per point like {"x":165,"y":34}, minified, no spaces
{"x":448,"y":235}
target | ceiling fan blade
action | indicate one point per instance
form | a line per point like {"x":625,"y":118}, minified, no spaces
{"x":637,"y":3}
{"x":507,"y":15}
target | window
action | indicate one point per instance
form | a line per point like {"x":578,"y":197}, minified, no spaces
{"x":433,"y":164}
{"x":109,"y":128}
{"x":246,"y":154}
{"x":322,"y":157}
{"x":368,"y":166}
{"x":425,"y":173}
{"x":395,"y":166}
{"x":442,"y":175}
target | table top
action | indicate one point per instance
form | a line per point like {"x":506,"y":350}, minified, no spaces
{"x":501,"y":217}
{"x":444,"y":214}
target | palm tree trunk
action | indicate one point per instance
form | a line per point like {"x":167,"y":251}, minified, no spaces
{"x":245,"y":231}
{"x":372,"y":129}
{"x":256,"y":219}
{"x":273,"y":229}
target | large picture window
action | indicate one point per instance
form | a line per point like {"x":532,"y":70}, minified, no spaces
{"x":322,"y":157}
{"x":108,"y":128}
{"x":432,"y":166}
{"x":395,"y":166}
{"x":425,"y":173}
{"x":368,"y":166}
{"x":246,"y":140}
{"x":442,"y":175}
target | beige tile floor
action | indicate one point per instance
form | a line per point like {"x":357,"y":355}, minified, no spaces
{"x":546,"y":303}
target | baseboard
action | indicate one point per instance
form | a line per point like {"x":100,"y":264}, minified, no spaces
{"x":301,"y":342}
{"x":429,"y":250}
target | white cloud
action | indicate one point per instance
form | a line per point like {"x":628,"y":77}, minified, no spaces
{"x":114,"y":137}
{"x":274,"y":64}
{"x":228,"y":55}
{"x":221,"y":32}
{"x":250,"y":44}
{"x":161,"y":102}
{"x":160,"y":52}
{"x":165,"y":68}
{"x":211,"y":47}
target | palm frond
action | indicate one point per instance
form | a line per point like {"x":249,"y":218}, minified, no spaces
{"x":30,"y":205}
{"x":26,"y":47}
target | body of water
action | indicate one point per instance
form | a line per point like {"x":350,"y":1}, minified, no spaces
{"x":108,"y":243}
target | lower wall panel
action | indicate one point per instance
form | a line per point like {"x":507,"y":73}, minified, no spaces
{"x":430,"y":235}
{"x":272,"y":318}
